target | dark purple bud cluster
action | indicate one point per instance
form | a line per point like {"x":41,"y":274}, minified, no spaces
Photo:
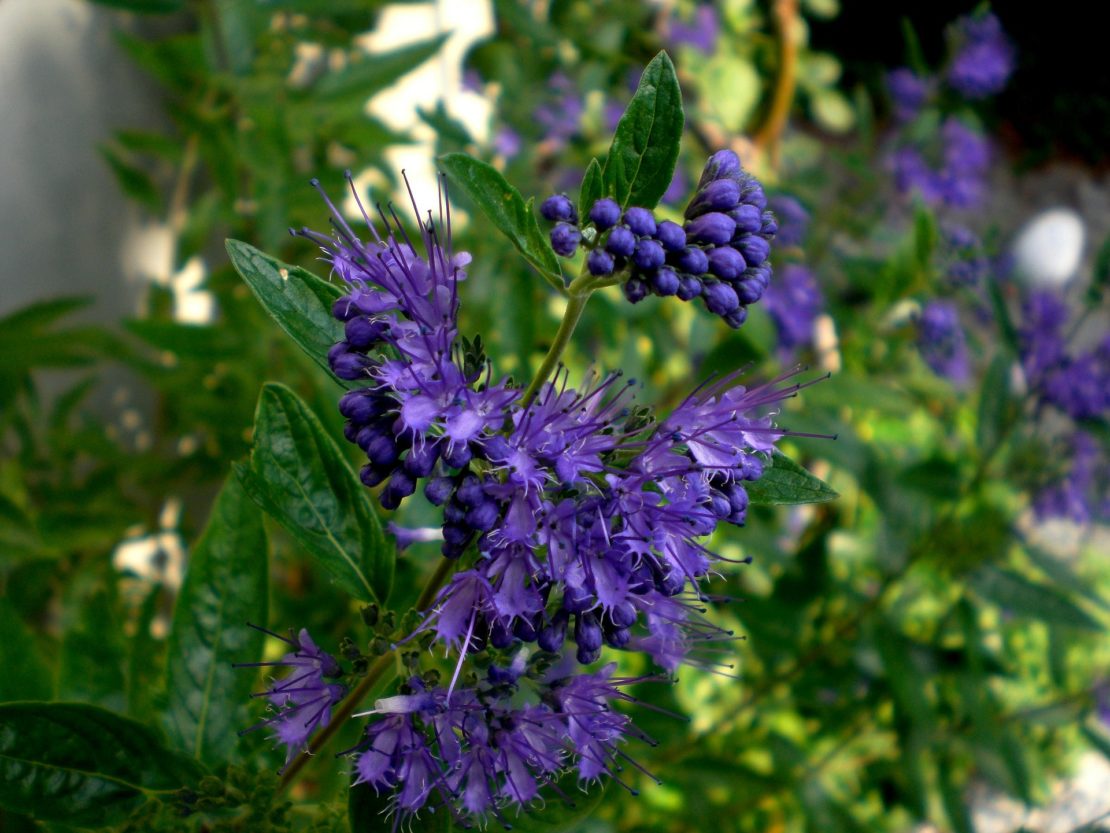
{"x":728,"y":221}
{"x":720,"y":254}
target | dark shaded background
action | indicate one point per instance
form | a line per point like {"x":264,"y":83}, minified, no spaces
{"x":1058,"y":102}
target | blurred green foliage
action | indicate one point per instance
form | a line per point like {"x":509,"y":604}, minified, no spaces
{"x":900,"y":644}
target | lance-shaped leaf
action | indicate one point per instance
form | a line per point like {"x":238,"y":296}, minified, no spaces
{"x":298,"y":475}
{"x":593,"y":188}
{"x":82,"y":765}
{"x":785,"y":482}
{"x":374,"y":73}
{"x":297,"y":300}
{"x":25,"y":674}
{"x":645,"y":147}
{"x":225,"y":588}
{"x":506,"y":209}
{"x":1028,"y":599}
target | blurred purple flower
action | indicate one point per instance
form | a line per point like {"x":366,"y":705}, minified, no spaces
{"x":941,"y":341}
{"x":506,"y":142}
{"x":908,"y":92}
{"x":984,"y":59}
{"x":792,"y":217}
{"x":700,"y":33}
{"x":793,"y":300}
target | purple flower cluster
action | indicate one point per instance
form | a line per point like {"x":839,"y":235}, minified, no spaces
{"x":792,"y":218}
{"x":1082,"y":493}
{"x":794,"y":301}
{"x":719,"y":254}
{"x":582,"y":518}
{"x":426,"y":405}
{"x":701,"y":33}
{"x":599,"y":518}
{"x":984,"y":57}
{"x":958,"y":181}
{"x":1075,"y":382}
{"x":302,"y":701}
{"x":586,"y":513}
{"x":908,"y":92}
{"x":482,"y":750}
{"x":559,"y":116}
{"x":941,"y":341}
{"x":964,"y":261}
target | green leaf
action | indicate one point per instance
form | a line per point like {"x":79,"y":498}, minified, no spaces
{"x":1027,"y":599}
{"x":192,"y":341}
{"x":951,"y":794}
{"x":299,"y":476}
{"x":506,"y":209}
{"x":41,"y":314}
{"x":729,"y":89}
{"x":145,"y":660}
{"x":645,"y":147}
{"x":92,"y":655}
{"x":593,"y":188}
{"x":784,"y":482}
{"x":297,"y":300}
{"x":225,"y":588}
{"x":374,"y":73}
{"x":906,"y":680}
{"x":1098,"y":739}
{"x":925,"y":235}
{"x":1062,"y":575}
{"x":133,"y":181}
{"x":1002,"y":315}
{"x":82,"y":765}
{"x":452,"y":133}
{"x":995,"y":409}
{"x":25,"y":675}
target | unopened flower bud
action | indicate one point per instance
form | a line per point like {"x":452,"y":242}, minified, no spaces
{"x":641,"y":221}
{"x":715,"y":228}
{"x":564,"y":239}
{"x":558,"y":207}
{"x":605,"y":213}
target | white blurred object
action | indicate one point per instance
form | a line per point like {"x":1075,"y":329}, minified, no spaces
{"x":438,"y":79}
{"x":1048,"y":249}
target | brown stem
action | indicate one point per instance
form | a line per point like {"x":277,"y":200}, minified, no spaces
{"x":338,"y":718}
{"x":770,"y":132}
{"x":365,"y":685}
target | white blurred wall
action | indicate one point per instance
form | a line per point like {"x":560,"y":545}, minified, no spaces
{"x":64,"y":87}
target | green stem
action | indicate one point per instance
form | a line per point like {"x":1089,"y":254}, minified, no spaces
{"x":576,"y":303}
{"x":359,"y":693}
{"x":445,"y":568}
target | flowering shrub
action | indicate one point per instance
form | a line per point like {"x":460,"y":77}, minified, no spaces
{"x":518,"y":537}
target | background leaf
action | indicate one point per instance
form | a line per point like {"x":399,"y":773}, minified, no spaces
{"x":25,"y":676}
{"x":299,"y":476}
{"x":298,"y":300}
{"x":1022,"y":597}
{"x":506,"y":209}
{"x":374,"y":73}
{"x":645,"y":147}
{"x":225,"y":587}
{"x":995,"y":411}
{"x":82,"y":765}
